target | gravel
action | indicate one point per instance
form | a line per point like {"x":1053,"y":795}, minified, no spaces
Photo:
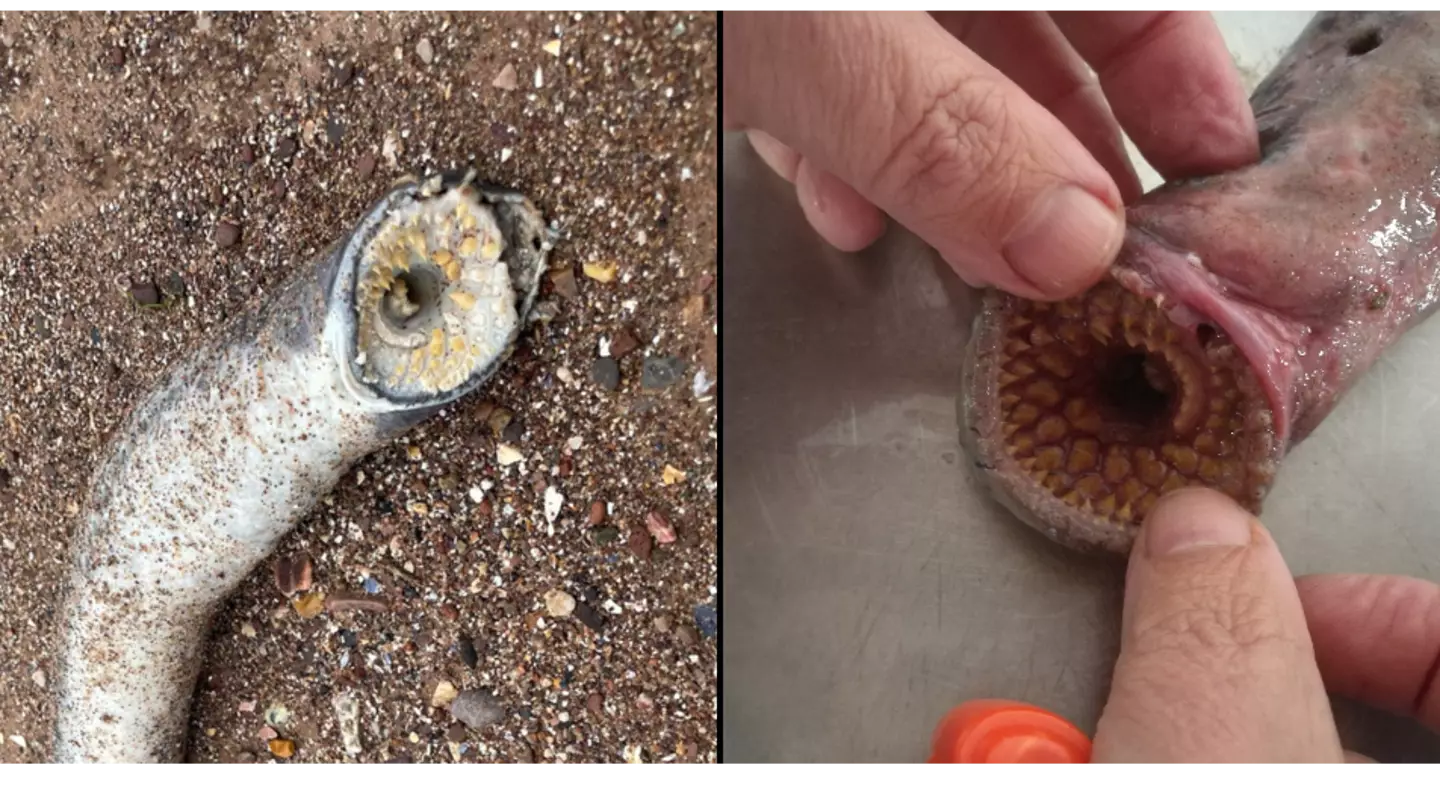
{"x":126,"y":140}
{"x":477,"y":709}
{"x":605,"y":372}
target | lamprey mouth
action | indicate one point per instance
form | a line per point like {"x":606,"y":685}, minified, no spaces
{"x":434,"y":296}
{"x":1083,"y":413}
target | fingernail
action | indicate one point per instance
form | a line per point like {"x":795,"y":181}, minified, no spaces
{"x":1190,"y":519}
{"x":1066,"y":241}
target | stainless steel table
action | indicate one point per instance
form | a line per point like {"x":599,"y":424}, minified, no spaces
{"x":869,"y":586}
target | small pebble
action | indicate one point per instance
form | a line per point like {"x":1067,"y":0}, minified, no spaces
{"x":602,"y":271}
{"x":609,"y":535}
{"x":660,"y":528}
{"x":277,"y":715}
{"x":282,"y":748}
{"x":425,"y":50}
{"x":310,"y":605}
{"x":686,"y":636}
{"x":564,"y":281}
{"x":670,"y":476}
{"x":597,"y":514}
{"x":589,"y":616}
{"x":512,"y":432}
{"x":553,"y":501}
{"x":468,"y":653}
{"x":505,"y":455}
{"x":622,"y":343}
{"x":694,"y":310}
{"x":705,"y":619}
{"x":227,"y":234}
{"x":507,"y":79}
{"x":443,"y":694}
{"x":605,"y":372}
{"x":702,"y":384}
{"x":641,"y":543}
{"x":498,"y":419}
{"x":347,"y":712}
{"x":285,"y":148}
{"x":477,"y":709}
{"x":559,"y":603}
{"x":145,"y":294}
{"x":293,"y":574}
{"x":595,"y":704}
{"x":366,"y":167}
{"x":553,"y":47}
{"x":661,"y":372}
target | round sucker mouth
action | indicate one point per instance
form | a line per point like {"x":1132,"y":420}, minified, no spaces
{"x":1087,"y":411}
{"x":436,"y":297}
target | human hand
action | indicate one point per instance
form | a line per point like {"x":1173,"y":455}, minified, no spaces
{"x":1225,"y":657}
{"x":982,"y":132}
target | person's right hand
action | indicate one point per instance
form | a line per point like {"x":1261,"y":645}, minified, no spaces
{"x":1225,"y":658}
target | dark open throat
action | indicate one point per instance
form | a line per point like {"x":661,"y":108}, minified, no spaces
{"x":1136,"y":389}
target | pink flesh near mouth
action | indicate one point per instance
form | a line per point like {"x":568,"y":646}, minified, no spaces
{"x":1191,"y":296}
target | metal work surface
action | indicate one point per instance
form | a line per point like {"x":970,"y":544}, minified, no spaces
{"x":869,"y":585}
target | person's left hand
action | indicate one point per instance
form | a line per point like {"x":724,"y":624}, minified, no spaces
{"x":983,"y":132}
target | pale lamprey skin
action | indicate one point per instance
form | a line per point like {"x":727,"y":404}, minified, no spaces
{"x":1241,"y":308}
{"x":239,"y":441}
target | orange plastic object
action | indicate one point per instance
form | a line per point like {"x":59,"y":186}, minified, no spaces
{"x":998,"y":731}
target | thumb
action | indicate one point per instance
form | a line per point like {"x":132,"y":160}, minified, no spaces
{"x":892,"y":106}
{"x":1215,"y":661}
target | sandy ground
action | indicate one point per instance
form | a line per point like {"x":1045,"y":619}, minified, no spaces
{"x":127,"y":139}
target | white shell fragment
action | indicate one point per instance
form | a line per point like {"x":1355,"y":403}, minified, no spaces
{"x":553,"y":501}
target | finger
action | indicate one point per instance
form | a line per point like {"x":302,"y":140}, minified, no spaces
{"x":935,"y":137}
{"x":1215,"y":660}
{"x":1172,"y":84}
{"x":1029,"y":48}
{"x":837,"y":212}
{"x":1377,"y":640}
{"x":780,"y":158}
{"x":1352,"y":757}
